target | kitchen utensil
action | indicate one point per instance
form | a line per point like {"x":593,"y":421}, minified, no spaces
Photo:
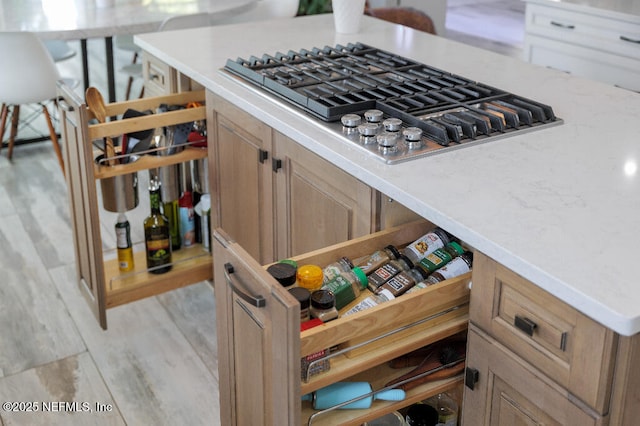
{"x":96,"y":104}
{"x":140,"y":138}
{"x":341,"y":392}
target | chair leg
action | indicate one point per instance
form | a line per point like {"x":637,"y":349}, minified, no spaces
{"x":128,"y":92}
{"x":54,"y":137}
{"x":15,"y":118}
{"x":3,"y":122}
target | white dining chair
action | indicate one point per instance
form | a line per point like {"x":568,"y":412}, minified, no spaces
{"x":28,"y":76}
{"x":59,"y":50}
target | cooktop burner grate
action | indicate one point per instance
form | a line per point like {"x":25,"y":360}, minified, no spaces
{"x":450,"y":110}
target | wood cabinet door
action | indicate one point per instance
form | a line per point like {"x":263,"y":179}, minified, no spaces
{"x":510,"y":392}
{"x":83,"y":200}
{"x":258,"y":342}
{"x":317,"y":204}
{"x":241,"y":182}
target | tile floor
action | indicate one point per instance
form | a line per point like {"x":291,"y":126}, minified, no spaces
{"x":157,"y":363}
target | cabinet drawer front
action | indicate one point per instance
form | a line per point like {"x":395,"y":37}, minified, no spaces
{"x":509,"y":391}
{"x":159,"y":78}
{"x":546,"y":332}
{"x":619,"y":71}
{"x":585,"y":29}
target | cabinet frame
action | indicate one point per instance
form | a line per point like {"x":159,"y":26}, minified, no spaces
{"x":100,"y":281}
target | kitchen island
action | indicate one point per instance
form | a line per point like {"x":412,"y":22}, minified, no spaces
{"x":556,"y":206}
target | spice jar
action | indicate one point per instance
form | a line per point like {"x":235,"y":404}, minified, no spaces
{"x":440,"y":257}
{"x":420,"y":248}
{"x":334,"y":269}
{"x":323,"y":305}
{"x":403,"y":281}
{"x":284,"y":273}
{"x":303,"y":296}
{"x":309,"y":277}
{"x":373,"y":261}
{"x":457,"y":266}
{"x":347,"y":286}
{"x":388,"y":271}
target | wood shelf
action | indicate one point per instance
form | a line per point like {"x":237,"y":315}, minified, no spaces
{"x":146,"y":162}
{"x":190,"y":265}
{"x":343,"y":367}
{"x":382,"y":375}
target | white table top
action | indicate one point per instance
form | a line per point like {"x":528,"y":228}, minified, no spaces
{"x":560,"y":206}
{"x":82,"y":19}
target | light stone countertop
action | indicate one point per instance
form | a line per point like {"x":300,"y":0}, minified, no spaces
{"x":560,"y":206}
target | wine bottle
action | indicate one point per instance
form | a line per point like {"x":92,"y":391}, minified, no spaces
{"x":156,"y":233}
{"x":123,"y":243}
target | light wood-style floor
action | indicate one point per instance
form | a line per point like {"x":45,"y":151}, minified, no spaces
{"x":157,"y":363}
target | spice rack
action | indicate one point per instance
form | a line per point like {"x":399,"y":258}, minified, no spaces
{"x":99,"y":278}
{"x":267,"y":355}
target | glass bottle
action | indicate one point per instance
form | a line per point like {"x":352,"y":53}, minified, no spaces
{"x":388,"y":271}
{"x":187,"y":220}
{"x":171,"y":210}
{"x":371,"y":301}
{"x":403,"y":281}
{"x":156,"y":233}
{"x":456,"y":267}
{"x":373,"y":261}
{"x":284,"y":273}
{"x":446,"y":407}
{"x":334,"y":269}
{"x":440,"y":257}
{"x":323,"y":305}
{"x":303,"y":296}
{"x":420,"y":248}
{"x":347,"y":286}
{"x":123,"y":244}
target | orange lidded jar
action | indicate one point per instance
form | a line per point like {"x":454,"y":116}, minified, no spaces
{"x":309,"y":277}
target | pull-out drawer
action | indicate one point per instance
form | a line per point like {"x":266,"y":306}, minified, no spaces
{"x":556,"y":338}
{"x":247,"y":295}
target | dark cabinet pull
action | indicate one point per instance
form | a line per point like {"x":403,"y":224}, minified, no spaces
{"x":629,"y":39}
{"x":257,"y":301}
{"x":561,"y":25}
{"x":471,"y":376}
{"x":276,"y":164}
{"x":263,"y":155}
{"x":524,"y":324}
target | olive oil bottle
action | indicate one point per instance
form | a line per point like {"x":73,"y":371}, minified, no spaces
{"x":157,"y":239}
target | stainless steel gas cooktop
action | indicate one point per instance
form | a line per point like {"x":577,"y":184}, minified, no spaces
{"x":390,"y":106}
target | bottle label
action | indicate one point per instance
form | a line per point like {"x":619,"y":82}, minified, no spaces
{"x":454,"y":268}
{"x":425,"y":245}
{"x":382,"y":275}
{"x":187,"y":226}
{"x":158,"y":250}
{"x":342,"y":289}
{"x":373,"y":261}
{"x":122,"y":240}
{"x":125,"y":259}
{"x":330,"y":272}
{"x":435,"y":260}
{"x":399,"y":284}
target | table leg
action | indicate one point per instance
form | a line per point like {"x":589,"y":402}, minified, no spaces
{"x":85,"y":63}
{"x":108,"y":42}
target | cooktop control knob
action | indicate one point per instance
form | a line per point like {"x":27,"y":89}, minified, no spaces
{"x":368,"y":132}
{"x":373,"y":116}
{"x":413,"y":137}
{"x":387,"y":142}
{"x":392,"y":124}
{"x":350,"y":123}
